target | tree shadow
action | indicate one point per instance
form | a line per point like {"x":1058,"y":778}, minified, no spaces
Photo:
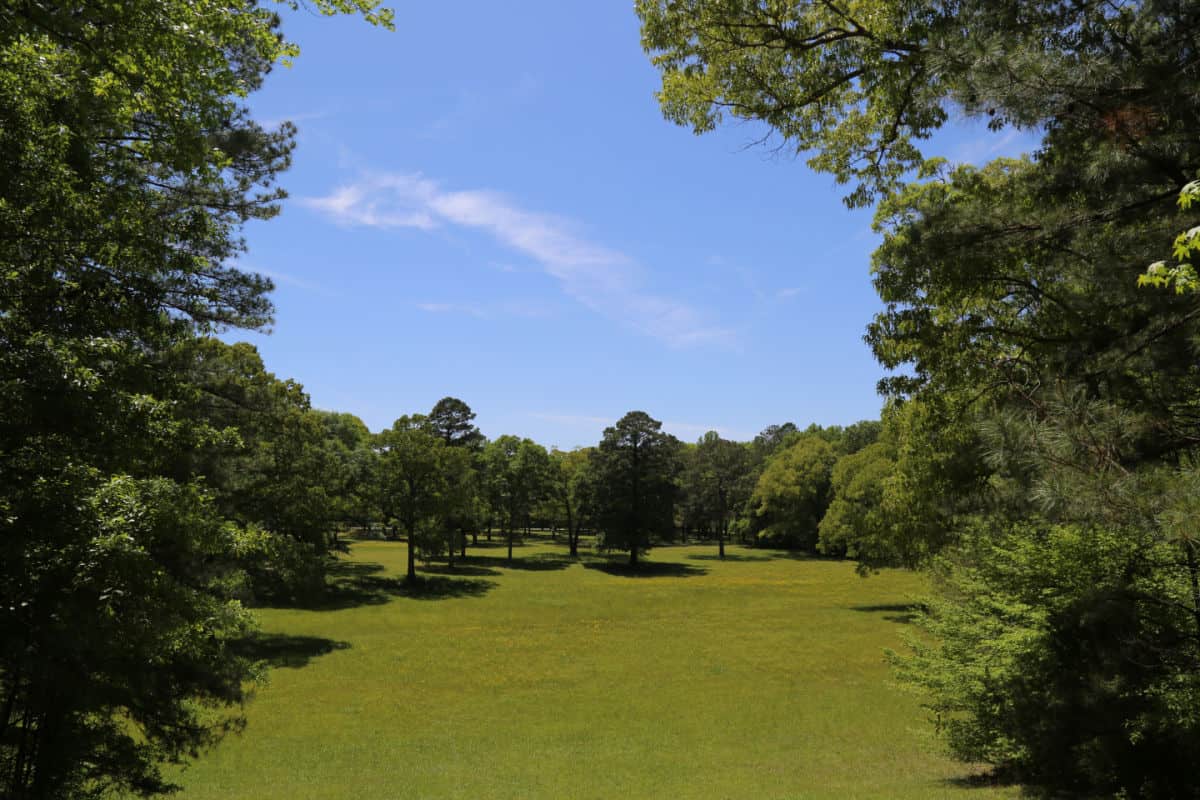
{"x":353,"y":569}
{"x":496,"y":544}
{"x":993,"y":778}
{"x":803,"y":555}
{"x":728,"y":557}
{"x":460,"y":568}
{"x":438,"y":587}
{"x":539,"y":562}
{"x":284,"y":650}
{"x":646,"y":569}
{"x":350,"y":584}
{"x":903,"y":613}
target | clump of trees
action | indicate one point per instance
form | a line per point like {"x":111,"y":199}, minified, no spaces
{"x":134,"y":518}
{"x":1039,"y":448}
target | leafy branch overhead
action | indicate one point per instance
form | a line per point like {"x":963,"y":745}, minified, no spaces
{"x":1182,"y":276}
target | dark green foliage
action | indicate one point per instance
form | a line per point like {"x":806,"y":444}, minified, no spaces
{"x":570,"y":487}
{"x":773,"y":438}
{"x":716,"y":483}
{"x":128,"y":162}
{"x":412,"y":482}
{"x":792,"y":493}
{"x":634,"y":493}
{"x":1043,"y":443}
{"x":856,"y":524}
{"x":518,"y":475}
{"x":1069,"y":655}
{"x":452,"y":420}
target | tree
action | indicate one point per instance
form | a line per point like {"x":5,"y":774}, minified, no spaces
{"x":459,"y":506}
{"x":451,"y":419}
{"x":634,"y":491}
{"x":772,"y":438}
{"x":128,"y":163}
{"x":857,"y":523}
{"x":1013,"y":317}
{"x":719,"y":482}
{"x":860,"y":84}
{"x":569,"y":487}
{"x":517,"y":471}
{"x":413,"y":481}
{"x":275,"y":465}
{"x":793,"y":491}
{"x":350,"y":450}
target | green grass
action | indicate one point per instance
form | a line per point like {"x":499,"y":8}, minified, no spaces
{"x":758,"y":677}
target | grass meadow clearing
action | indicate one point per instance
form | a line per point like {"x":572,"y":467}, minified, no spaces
{"x":758,"y":677}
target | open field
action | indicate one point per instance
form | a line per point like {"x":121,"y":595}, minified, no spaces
{"x":758,"y":677}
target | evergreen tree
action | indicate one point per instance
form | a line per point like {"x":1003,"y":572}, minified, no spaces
{"x":635,"y":466}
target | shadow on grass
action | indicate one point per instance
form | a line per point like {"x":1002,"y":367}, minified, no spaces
{"x":803,"y":555}
{"x":903,"y":613}
{"x":495,"y":544}
{"x":992,"y":779}
{"x":442,"y":588}
{"x":729,"y":557}
{"x":646,"y":569}
{"x":539,"y":562}
{"x":461,"y":569}
{"x":351,"y":584}
{"x":283,"y":650}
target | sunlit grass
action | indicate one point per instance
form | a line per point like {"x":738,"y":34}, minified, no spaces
{"x":758,"y":677}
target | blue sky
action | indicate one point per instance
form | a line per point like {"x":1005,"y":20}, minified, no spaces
{"x":487,"y":203}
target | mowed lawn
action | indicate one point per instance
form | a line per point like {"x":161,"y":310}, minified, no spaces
{"x":758,"y":677}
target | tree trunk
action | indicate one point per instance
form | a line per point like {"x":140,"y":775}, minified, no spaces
{"x":412,"y":556}
{"x":570,"y":530}
{"x":721,"y":544}
{"x":450,"y":552}
{"x":474,"y":541}
{"x":633,"y":555}
{"x":463,"y":542}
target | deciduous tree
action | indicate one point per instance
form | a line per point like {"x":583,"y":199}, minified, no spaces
{"x":793,"y":492}
{"x":413,"y":481}
{"x":719,"y":482}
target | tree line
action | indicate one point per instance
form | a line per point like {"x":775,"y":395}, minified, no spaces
{"x":300,"y":476}
{"x":1037,"y":452}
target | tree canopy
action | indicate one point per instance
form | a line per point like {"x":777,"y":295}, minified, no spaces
{"x":128,"y":164}
{"x":635,"y":464}
{"x":1043,"y":402}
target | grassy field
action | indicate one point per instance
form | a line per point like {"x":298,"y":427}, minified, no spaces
{"x":758,"y":677}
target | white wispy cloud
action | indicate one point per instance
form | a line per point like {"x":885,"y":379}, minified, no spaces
{"x":603,"y":279}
